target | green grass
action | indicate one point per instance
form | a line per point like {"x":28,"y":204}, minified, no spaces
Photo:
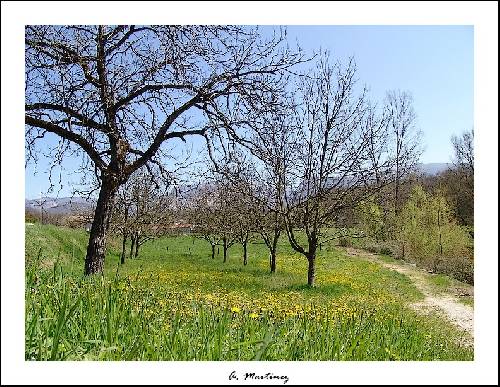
{"x":175,"y":303}
{"x":468,"y":300}
{"x":440,"y":282}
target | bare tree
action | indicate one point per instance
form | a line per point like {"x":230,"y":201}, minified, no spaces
{"x":464,"y":150}
{"x":227,"y":218}
{"x":243,"y":206}
{"x":334,"y":163}
{"x":272,"y":146}
{"x":142,"y":212}
{"x":405,"y":138}
{"x":458,"y":182}
{"x":203,"y":214}
{"x":214,"y":216}
{"x":270,"y":226}
{"x":117,"y":95}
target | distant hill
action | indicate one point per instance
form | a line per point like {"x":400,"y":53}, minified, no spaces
{"x":73,"y":205}
{"x":433,"y":168}
{"x":59,"y":206}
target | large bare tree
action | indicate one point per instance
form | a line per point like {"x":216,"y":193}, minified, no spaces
{"x":120,"y":96}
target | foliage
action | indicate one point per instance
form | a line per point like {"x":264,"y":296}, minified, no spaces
{"x":431,"y":236}
{"x":371,"y":219}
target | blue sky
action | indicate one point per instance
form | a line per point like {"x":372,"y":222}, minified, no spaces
{"x":434,"y":63}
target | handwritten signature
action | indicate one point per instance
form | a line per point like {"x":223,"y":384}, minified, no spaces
{"x":254,"y":376}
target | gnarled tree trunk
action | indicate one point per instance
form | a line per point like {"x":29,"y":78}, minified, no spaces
{"x":94,"y":260}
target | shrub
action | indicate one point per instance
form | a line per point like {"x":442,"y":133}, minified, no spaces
{"x":432,"y":238}
{"x":345,"y":242}
{"x":392,"y":248}
{"x":371,"y":219}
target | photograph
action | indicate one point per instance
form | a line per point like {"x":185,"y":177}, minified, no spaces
{"x":238,"y":197}
{"x":275,"y":194}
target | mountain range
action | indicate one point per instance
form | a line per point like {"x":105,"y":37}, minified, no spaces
{"x":57,"y":206}
{"x":73,"y":205}
{"x":433,"y":169}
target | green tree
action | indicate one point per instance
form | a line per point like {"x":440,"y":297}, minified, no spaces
{"x":431,"y":236}
{"x":371,"y":219}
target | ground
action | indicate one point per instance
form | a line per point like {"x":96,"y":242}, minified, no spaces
{"x":176,"y":303}
{"x":444,"y":299}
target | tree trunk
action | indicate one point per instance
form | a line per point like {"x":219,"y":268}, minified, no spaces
{"x":137,"y":246}
{"x":132,"y":245}
{"x":224,"y":248}
{"x":213,"y":251}
{"x":122,"y":258}
{"x":311,"y":272}
{"x":439,"y":229}
{"x":125,"y":236}
{"x":245,"y":255}
{"x":272,"y":252}
{"x":272,"y":260}
{"x":94,"y":260}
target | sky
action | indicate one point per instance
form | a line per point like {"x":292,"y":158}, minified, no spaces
{"x":434,"y":63}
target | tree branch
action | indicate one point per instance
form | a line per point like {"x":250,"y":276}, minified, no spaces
{"x":145,"y":89}
{"x":73,"y":113}
{"x":70,"y":136}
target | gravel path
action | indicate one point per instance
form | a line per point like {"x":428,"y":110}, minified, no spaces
{"x":447,"y":303}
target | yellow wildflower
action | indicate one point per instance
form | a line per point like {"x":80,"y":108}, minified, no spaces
{"x":253,"y":315}
{"x":235,"y":309}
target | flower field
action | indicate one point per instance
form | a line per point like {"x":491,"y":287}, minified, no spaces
{"x":175,"y":303}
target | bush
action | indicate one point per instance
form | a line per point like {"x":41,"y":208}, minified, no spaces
{"x":391,"y":248}
{"x":345,"y":242}
{"x":432,"y":238}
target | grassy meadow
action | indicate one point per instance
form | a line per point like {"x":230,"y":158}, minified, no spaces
{"x":175,"y":303}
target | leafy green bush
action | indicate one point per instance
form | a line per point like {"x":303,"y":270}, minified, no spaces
{"x":432,"y":238}
{"x":371,"y":219}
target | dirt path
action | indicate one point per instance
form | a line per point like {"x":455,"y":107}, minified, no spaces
{"x":459,"y":314}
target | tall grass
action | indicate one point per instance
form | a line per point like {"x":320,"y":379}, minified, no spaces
{"x":165,"y":308}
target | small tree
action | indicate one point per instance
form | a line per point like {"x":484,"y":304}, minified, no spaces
{"x":334,"y":163}
{"x":272,"y":145}
{"x":404,"y":138}
{"x":203,"y":214}
{"x":142,"y":212}
{"x":214,"y":216}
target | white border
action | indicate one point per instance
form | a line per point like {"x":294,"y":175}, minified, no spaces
{"x":484,"y":17}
